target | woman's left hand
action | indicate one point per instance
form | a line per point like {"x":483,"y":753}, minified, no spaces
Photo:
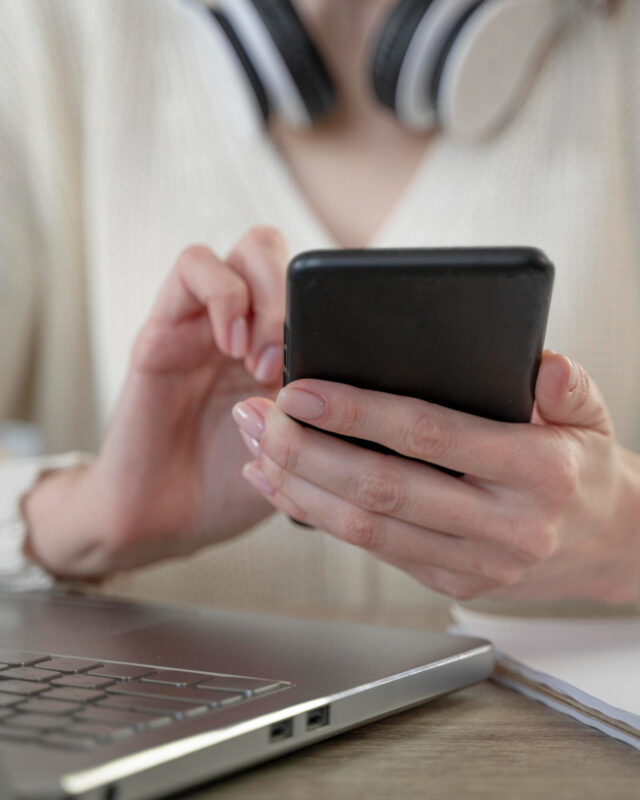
{"x":544,"y":510}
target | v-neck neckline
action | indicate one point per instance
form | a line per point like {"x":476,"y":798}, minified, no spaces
{"x":398,"y":214}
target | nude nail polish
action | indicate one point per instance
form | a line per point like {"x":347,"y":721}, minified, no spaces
{"x":300,"y":404}
{"x":239,"y":338}
{"x":253,"y":445}
{"x":257,"y":478}
{"x":269,"y":364}
{"x":248,"y":420}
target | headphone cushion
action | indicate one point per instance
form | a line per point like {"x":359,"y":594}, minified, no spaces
{"x":299,"y":54}
{"x":391,"y":47}
{"x":446,"y":50}
{"x":489,"y":62}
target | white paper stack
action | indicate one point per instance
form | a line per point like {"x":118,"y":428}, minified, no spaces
{"x":587,"y":668}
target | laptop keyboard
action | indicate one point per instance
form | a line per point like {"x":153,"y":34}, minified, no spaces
{"x":80,"y":704}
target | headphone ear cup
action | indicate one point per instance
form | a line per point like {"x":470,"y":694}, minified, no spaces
{"x":391,"y":46}
{"x":489,"y":62}
{"x":277,"y":51}
{"x":406,"y":54}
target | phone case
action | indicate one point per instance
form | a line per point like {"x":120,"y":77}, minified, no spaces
{"x":460,"y":327}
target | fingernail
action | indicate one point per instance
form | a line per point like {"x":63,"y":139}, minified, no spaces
{"x":257,"y":478}
{"x":239,"y":337}
{"x":573,"y":375}
{"x":248,"y":419}
{"x":269,"y":364}
{"x":253,"y":445}
{"x":300,"y":404}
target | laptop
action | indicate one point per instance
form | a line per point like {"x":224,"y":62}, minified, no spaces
{"x":102,"y":699}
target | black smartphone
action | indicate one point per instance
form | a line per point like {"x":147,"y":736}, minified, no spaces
{"x":460,"y":327}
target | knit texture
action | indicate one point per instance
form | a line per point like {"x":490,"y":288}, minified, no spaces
{"x":127,"y":132}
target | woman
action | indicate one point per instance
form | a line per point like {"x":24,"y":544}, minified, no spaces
{"x":127,"y":132}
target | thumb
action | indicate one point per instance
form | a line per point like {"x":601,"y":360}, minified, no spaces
{"x":565,"y":395}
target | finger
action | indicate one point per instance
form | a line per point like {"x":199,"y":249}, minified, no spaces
{"x":162,"y":348}
{"x":461,"y":586}
{"x":252,"y":473}
{"x":403,"y":489}
{"x":496,"y":451}
{"x":201,"y":283}
{"x":453,"y":584}
{"x":565,"y":395}
{"x":260,"y":257}
{"x":386,"y":537}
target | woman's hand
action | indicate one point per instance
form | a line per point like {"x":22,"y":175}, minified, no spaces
{"x":544,"y":510}
{"x":167,"y":479}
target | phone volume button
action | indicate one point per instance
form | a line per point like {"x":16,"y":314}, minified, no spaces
{"x":285,"y":334}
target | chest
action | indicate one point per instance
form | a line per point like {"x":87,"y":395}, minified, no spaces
{"x":168,"y":165}
{"x":353,"y":172}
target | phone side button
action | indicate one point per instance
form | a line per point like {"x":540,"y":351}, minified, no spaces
{"x":300,"y":524}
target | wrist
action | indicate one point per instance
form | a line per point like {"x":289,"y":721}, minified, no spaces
{"x":59,"y":529}
{"x":627,"y":528}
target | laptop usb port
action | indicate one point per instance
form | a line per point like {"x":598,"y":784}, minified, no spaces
{"x":317,"y":718}
{"x":281,"y":730}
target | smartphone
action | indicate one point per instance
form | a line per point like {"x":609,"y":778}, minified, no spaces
{"x":461,"y":327}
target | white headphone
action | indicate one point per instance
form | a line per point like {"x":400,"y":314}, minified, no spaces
{"x":462,"y":65}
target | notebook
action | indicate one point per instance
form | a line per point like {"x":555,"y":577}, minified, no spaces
{"x":587,"y":668}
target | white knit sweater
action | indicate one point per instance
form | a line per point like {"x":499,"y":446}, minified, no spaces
{"x":126,"y":133}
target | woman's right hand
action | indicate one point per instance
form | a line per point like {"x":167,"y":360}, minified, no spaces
{"x":167,"y":478}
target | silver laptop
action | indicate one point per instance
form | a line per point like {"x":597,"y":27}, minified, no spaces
{"x":109,"y":700}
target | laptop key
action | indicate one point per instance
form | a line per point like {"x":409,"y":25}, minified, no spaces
{"x":247,"y":686}
{"x":7,"y":700}
{"x":73,"y":695}
{"x":175,"y":677}
{"x":153,"y":705}
{"x":122,"y":672}
{"x":18,"y":658}
{"x":30,"y":674}
{"x":71,"y":665}
{"x":187,"y":693}
{"x":83,"y":681}
{"x":23,"y":687}
{"x":19,"y":734}
{"x":116,"y":716}
{"x":62,"y":740}
{"x":5,"y":712}
{"x":100,"y":732}
{"x":40,"y":705}
{"x":4,"y":666}
{"x":39,"y":721}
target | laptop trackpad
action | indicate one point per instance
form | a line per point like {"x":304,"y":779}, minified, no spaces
{"x":67,"y":623}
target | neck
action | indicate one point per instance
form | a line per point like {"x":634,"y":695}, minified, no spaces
{"x":344,"y":31}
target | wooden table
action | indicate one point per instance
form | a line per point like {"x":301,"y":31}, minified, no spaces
{"x":481,"y":742}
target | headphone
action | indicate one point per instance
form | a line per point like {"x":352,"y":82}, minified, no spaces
{"x":462,"y":65}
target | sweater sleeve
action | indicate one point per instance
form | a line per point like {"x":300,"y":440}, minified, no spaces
{"x":19,"y":296}
{"x":17,"y":477}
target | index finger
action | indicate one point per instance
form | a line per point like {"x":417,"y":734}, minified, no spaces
{"x":260,"y":257}
{"x":496,"y":451}
{"x":201,"y":282}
